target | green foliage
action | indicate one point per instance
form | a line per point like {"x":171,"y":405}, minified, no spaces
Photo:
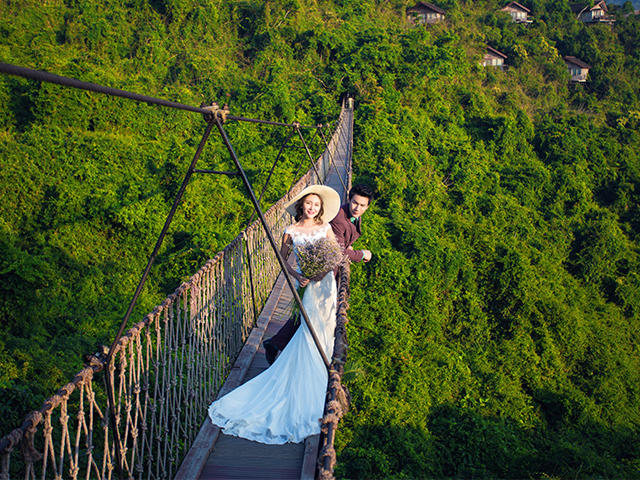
{"x":87,"y":180}
{"x":495,"y":332}
{"x":495,"y":329}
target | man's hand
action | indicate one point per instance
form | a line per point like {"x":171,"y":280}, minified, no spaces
{"x":366,"y":255}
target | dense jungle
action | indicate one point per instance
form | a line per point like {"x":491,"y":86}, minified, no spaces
{"x":495,"y":333}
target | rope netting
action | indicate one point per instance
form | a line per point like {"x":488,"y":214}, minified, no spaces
{"x":167,"y":368}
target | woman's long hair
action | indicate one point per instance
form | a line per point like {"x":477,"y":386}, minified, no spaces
{"x":300,"y":202}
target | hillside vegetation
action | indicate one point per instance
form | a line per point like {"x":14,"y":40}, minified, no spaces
{"x":495,"y":333}
{"x":88,"y":180}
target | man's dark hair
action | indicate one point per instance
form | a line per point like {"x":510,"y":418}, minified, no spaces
{"x":362,"y":190}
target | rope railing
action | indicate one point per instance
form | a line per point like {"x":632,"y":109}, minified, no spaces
{"x":338,"y":399}
{"x":165,"y":370}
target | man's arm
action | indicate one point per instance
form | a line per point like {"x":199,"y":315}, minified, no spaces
{"x":340,"y":231}
{"x":354,"y":255}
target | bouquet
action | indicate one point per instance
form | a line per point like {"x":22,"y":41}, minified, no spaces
{"x":316,"y":258}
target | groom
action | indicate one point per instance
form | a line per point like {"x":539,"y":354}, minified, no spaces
{"x":346,"y":227}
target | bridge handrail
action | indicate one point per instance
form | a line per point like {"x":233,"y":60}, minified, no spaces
{"x":166,"y":368}
{"x":338,"y":400}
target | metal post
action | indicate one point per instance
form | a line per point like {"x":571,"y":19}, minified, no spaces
{"x":313,"y":136}
{"x":253,"y":290}
{"x":313,"y":164}
{"x":264,"y":188}
{"x":218,"y":172}
{"x":287,"y":276}
{"x":295,"y":175}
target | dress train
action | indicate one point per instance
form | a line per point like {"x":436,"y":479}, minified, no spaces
{"x":285,"y":402}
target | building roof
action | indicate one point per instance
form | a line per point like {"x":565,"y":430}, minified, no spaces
{"x":576,"y":61}
{"x":580,"y":7}
{"x":430,"y":6}
{"x":516,"y":5}
{"x":493,"y":51}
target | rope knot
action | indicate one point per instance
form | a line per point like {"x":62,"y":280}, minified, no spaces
{"x":296,"y":125}
{"x":214,"y":111}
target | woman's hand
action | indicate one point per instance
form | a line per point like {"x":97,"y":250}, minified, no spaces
{"x":303,"y":281}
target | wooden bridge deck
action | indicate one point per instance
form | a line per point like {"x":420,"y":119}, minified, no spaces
{"x":237,"y":458}
{"x":215,"y":455}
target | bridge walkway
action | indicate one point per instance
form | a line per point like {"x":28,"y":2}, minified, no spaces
{"x":215,"y":455}
{"x":160,"y":375}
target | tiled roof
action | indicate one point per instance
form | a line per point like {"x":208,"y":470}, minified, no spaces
{"x":576,"y":61}
{"x":495,"y":52}
{"x":579,"y":7}
{"x":430,"y":6}
{"x":517,"y":5}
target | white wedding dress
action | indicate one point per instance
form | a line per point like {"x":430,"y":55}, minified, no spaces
{"x":285,"y":402}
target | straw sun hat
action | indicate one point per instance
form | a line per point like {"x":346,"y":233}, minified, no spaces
{"x":330,"y":201}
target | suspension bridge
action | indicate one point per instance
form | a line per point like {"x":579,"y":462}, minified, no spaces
{"x":139,"y":408}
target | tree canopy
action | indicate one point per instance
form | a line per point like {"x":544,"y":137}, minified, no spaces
{"x":494,"y":333}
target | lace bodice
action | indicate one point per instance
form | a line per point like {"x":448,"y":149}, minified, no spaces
{"x":299,"y":236}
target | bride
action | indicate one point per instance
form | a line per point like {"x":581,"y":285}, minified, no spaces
{"x":285,"y":402}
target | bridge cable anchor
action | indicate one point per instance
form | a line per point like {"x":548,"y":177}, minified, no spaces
{"x":214,"y":111}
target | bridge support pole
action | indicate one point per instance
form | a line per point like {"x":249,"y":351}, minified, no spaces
{"x":272,"y":241}
{"x":306,"y":148}
{"x":273,"y":167}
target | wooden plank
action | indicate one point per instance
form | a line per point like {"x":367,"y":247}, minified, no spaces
{"x":228,"y":444}
{"x":197,"y":455}
{"x":249,"y":473}
{"x":310,"y":458}
{"x":240,"y":458}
